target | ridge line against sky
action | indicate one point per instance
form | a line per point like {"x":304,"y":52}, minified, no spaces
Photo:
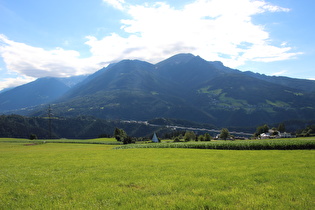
{"x":67,"y":38}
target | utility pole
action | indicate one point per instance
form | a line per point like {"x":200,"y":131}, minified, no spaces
{"x":49,"y":121}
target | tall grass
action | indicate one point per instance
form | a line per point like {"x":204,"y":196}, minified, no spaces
{"x":291,"y":144}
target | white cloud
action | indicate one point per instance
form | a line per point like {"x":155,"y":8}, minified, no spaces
{"x":273,"y":8}
{"x":207,"y":28}
{"x":37,"y":62}
{"x":279,"y":73}
{"x":13,"y":82}
{"x":118,"y":4}
{"x":268,"y":53}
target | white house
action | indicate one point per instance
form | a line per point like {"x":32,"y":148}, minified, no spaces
{"x":265,"y":136}
{"x":285,"y":135}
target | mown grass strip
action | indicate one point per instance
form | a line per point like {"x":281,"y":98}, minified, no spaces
{"x":299,"y":144}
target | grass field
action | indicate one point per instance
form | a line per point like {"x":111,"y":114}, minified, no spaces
{"x":94,"y":176}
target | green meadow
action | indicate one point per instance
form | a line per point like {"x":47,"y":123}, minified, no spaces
{"x":96,"y":176}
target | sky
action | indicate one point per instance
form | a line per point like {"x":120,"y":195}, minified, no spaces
{"x":66,"y":38}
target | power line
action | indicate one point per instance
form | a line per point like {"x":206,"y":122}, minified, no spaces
{"x":49,"y":121}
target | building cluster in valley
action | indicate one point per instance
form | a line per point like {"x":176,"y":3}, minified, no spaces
{"x":273,"y":134}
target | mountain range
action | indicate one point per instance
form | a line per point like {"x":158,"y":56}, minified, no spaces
{"x":181,"y":87}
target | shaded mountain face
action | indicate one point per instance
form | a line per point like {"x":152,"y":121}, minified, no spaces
{"x":125,"y":90}
{"x":124,"y":75}
{"x":190,"y":88}
{"x":187,"y":70}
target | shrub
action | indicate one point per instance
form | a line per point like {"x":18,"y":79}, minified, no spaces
{"x":177,"y":139}
{"x":33,"y":136}
{"x":207,"y":137}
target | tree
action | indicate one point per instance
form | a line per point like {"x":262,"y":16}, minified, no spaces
{"x":33,"y":136}
{"x":281,"y":127}
{"x":189,"y":136}
{"x":120,"y":135}
{"x":201,"y":138}
{"x":128,"y":140}
{"x":308,"y":131}
{"x":224,"y":133}
{"x":261,"y":129}
{"x":207,"y":137}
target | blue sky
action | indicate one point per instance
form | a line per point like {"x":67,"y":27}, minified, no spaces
{"x":66,"y":38}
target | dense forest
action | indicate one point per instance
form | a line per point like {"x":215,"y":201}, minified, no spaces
{"x":83,"y":127}
{"x":16,"y":126}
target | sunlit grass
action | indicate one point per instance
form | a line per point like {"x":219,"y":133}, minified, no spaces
{"x":92,"y":176}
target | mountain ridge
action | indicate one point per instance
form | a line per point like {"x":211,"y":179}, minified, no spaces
{"x":186,"y":87}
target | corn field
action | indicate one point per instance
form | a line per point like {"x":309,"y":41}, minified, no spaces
{"x":291,"y":144}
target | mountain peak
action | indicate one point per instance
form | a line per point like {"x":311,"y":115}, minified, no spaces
{"x":177,"y":59}
{"x":127,"y":63}
{"x":182,"y":56}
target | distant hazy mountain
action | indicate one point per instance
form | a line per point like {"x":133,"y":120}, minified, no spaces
{"x":72,"y":81}
{"x":40,"y":91}
{"x":300,"y":84}
{"x":190,"y":88}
